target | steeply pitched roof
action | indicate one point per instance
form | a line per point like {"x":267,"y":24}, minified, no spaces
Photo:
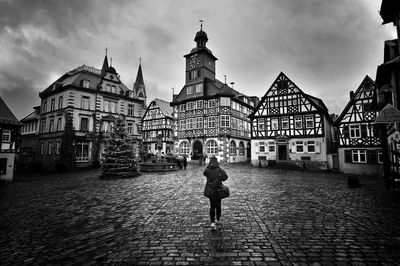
{"x":6,"y":116}
{"x":139,"y":82}
{"x":165,"y":108}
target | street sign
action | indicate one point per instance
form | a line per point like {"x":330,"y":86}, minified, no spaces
{"x":389,"y":114}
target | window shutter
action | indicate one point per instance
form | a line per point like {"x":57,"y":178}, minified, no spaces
{"x":346,"y":131}
{"x":318,"y":147}
{"x":375,"y":130}
{"x":257,"y":148}
{"x":372,"y":157}
{"x":363,"y":131}
{"x":347,"y":156}
{"x":293,"y":147}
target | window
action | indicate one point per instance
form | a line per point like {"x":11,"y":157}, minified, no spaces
{"x":311,"y":146}
{"x":84,"y":124}
{"x":182,"y":107}
{"x":51,"y":125}
{"x":130,"y":128}
{"x":225,"y":119}
{"x":199,"y":104}
{"x":43,"y":126}
{"x":233,"y":148}
{"x":41,"y":148}
{"x":85,"y":101}
{"x":85,"y":83}
{"x":212,"y":147}
{"x":199,"y":88}
{"x":199,"y":122}
{"x":108,"y":88}
{"x":261,"y":125}
{"x":189,"y":90}
{"x":355,"y":131}
{"x":189,"y":105}
{"x":285,"y":123}
{"x":82,"y":151}
{"x":6,"y":136}
{"x":271,"y":146}
{"x":309,"y":121}
{"x":59,"y":121}
{"x":211,"y":122}
{"x":262,"y":146}
{"x":274,"y":124}
{"x":182,"y":124}
{"x":211,"y":103}
{"x":58,"y":146}
{"x":44,"y":110}
{"x":225,"y":101}
{"x":60,"y":102}
{"x":359,"y":156}
{"x":298,"y":122}
{"x":299,"y":146}
{"x":380,"y":157}
{"x":241,"y":148}
{"x":53,"y":104}
{"x":130,"y":109}
{"x":113,"y":108}
{"x":189,"y":123}
{"x":49,"y":148}
{"x":184,"y":148}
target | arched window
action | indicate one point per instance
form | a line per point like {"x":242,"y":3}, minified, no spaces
{"x":241,"y":148}
{"x":212,"y":147}
{"x":233,"y":148}
{"x":184,"y":148}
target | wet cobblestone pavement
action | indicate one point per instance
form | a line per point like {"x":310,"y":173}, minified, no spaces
{"x":273,"y":217}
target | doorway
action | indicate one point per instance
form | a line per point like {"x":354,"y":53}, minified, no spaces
{"x":282,"y":152}
{"x":197,"y":150}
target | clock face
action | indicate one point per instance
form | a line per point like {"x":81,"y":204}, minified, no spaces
{"x":194,"y":61}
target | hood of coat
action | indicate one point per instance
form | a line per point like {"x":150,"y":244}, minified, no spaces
{"x":213,"y":165}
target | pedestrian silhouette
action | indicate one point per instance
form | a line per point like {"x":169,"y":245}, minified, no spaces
{"x":184,"y":161}
{"x":215,"y":175}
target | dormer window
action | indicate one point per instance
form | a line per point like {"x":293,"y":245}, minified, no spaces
{"x":189,"y":90}
{"x":85,"y":83}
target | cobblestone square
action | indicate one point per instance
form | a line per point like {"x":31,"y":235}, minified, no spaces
{"x":273,"y":217}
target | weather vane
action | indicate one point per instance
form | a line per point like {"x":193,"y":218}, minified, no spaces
{"x":201,"y":24}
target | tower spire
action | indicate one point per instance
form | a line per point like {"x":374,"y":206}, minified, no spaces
{"x":105,"y":64}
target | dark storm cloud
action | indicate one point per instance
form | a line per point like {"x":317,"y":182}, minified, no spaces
{"x":64,"y":17}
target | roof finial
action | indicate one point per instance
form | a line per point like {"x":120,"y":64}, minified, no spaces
{"x":201,"y":24}
{"x":106,"y":50}
{"x":140,"y":60}
{"x":225,"y":78}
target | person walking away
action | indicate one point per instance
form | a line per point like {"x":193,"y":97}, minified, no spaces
{"x":184,"y":161}
{"x":215,"y":176}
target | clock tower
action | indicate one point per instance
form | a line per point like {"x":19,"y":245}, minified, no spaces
{"x":200,"y":62}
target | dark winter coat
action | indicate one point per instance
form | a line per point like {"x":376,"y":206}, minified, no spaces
{"x":215,"y":175}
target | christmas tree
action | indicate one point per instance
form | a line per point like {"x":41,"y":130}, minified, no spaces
{"x":119,"y":154}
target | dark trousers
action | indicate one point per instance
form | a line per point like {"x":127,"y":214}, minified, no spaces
{"x":215,"y":206}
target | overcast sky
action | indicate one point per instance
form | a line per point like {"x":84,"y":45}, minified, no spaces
{"x":326,"y":47}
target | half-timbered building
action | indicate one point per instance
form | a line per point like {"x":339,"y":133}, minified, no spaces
{"x":359,"y":145}
{"x":210,"y":117}
{"x":9,"y":127}
{"x":292,"y":126}
{"x":157,"y":127}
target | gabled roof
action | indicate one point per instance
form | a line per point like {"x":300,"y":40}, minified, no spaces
{"x":32,"y":116}
{"x":318,"y":103}
{"x":6,"y":116}
{"x":165,"y":107}
{"x":367,"y":79}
